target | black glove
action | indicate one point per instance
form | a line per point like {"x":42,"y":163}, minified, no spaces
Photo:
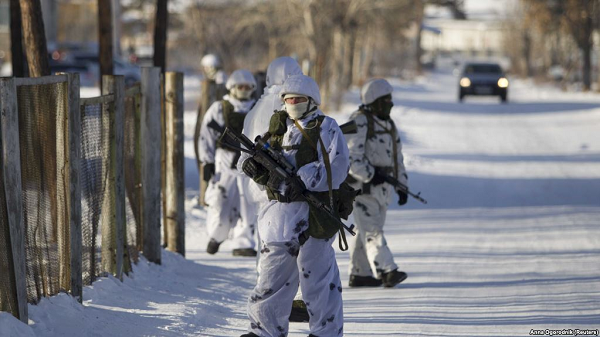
{"x":251,"y":167}
{"x":208,"y":171}
{"x":402,"y":198}
{"x":256,"y":171}
{"x":294,"y":189}
{"x":377,"y":178}
{"x":274,"y":181}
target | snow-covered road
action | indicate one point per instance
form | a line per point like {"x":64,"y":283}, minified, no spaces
{"x":509,"y":242}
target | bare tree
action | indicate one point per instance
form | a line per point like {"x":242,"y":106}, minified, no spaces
{"x":579,"y":16}
{"x":419,"y":15}
{"x":340,"y":38}
{"x":160,"y":35}
{"x":34,"y":38}
{"x":105,"y":37}
{"x":553,"y":27}
{"x":16,"y":40}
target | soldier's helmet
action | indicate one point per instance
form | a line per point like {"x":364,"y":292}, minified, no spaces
{"x":301,"y":85}
{"x":374,"y":89}
{"x":240,"y":76}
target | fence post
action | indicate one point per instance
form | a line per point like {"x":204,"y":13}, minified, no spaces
{"x":174,"y":187}
{"x":11,"y":160}
{"x":151,"y":176}
{"x":163,"y":159}
{"x":113,"y":219}
{"x":74,"y":197}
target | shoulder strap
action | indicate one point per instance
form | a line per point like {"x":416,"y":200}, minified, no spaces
{"x":325,"y":155}
{"x":394,"y":133}
{"x":227,"y":109}
{"x":342,"y":236}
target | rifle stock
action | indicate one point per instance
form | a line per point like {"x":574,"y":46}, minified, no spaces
{"x":349,"y":127}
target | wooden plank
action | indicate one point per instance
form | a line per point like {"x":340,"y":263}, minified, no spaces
{"x":74,"y":197}
{"x":175,"y":186}
{"x":163,"y":159}
{"x":138,"y":169}
{"x":151,"y":144}
{"x":119,"y":129}
{"x":11,"y":159}
{"x":104,"y":99}
{"x":113,"y":218}
{"x":60,"y":205}
{"x":25,"y":81}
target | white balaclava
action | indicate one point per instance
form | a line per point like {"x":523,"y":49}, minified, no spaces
{"x":298,"y":110}
{"x":238,"y":78}
{"x":301,"y":86}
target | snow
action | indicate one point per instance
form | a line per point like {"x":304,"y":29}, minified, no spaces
{"x":509,"y":242}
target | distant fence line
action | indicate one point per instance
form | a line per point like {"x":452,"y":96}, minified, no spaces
{"x":80,"y":187}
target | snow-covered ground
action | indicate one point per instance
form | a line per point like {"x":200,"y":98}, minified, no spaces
{"x":509,"y":242}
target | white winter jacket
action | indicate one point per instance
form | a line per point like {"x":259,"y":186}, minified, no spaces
{"x":281,"y":222}
{"x":209,"y":153}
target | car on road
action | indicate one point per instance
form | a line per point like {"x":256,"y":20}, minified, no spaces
{"x":87,"y":76}
{"x":483,"y":79}
{"x":131,"y":72}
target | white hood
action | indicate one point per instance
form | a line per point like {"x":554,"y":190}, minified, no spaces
{"x":280,"y":69}
{"x":257,"y":120}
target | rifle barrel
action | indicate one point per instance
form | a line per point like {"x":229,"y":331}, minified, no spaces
{"x":394,"y":182}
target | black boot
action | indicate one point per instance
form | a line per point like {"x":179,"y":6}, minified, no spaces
{"x":249,"y":334}
{"x":244,"y":252}
{"x":363,"y":281}
{"x":392,"y":278}
{"x":299,"y":312}
{"x":213,"y":246}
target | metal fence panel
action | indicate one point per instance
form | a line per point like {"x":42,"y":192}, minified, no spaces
{"x":94,"y":175}
{"x":43,"y":112}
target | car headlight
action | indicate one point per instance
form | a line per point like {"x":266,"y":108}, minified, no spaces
{"x":465,"y":82}
{"x":503,"y":82}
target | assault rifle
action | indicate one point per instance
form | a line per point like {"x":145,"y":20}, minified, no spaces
{"x":400,"y":186}
{"x":275,"y":163}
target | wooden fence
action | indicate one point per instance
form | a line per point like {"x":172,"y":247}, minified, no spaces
{"x":18,"y":284}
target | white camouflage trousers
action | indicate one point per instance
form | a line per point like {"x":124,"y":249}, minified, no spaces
{"x":282,"y":265}
{"x":228,"y":208}
{"x":369,"y":252}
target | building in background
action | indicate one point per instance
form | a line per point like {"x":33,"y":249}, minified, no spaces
{"x":448,"y":42}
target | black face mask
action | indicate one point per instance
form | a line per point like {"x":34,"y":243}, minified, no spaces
{"x":382,"y":107}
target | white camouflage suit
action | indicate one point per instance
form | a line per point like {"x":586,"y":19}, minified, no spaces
{"x":257,"y":122}
{"x":284,"y":263}
{"x":226,"y":207}
{"x":369,"y":252}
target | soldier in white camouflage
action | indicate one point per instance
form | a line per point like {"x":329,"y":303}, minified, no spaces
{"x":375,"y":151}
{"x":227,"y":210}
